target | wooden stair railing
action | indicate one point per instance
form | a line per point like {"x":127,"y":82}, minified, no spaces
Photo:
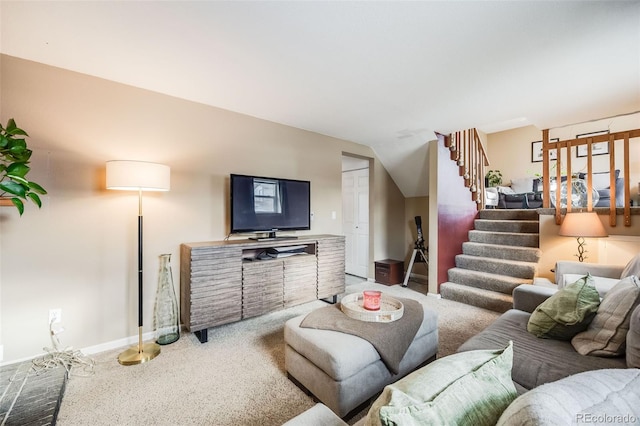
{"x":566,"y":145}
{"x":469,"y":154}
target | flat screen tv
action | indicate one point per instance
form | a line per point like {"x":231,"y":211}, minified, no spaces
{"x":264,"y":204}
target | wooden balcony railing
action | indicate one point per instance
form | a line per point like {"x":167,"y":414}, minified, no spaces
{"x":469,"y":154}
{"x":563,"y":151}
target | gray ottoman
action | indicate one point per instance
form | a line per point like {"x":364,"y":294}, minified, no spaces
{"x":343,"y":371}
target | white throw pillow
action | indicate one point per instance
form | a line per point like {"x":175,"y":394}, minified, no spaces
{"x":600,"y":180}
{"x":602,"y":284}
{"x":506,"y":190}
{"x":522,"y":185}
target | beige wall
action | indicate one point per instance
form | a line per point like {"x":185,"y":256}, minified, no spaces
{"x":78,"y":252}
{"x":510,"y":152}
{"x":388,"y":218}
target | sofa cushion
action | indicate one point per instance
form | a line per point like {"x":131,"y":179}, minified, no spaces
{"x":633,"y":340}
{"x":506,"y":190}
{"x":319,"y":414}
{"x":592,"y":397}
{"x":522,"y":185}
{"x":602,"y":284}
{"x":607,"y":333}
{"x":568,"y":312}
{"x":535,"y":361}
{"x":632,"y":267}
{"x":471,"y":388}
{"x":600,"y":180}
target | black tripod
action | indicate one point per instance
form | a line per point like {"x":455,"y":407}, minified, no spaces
{"x":418,"y":249}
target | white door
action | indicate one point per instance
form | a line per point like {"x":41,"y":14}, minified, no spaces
{"x":355,"y":221}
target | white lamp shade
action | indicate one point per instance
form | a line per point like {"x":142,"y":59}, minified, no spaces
{"x":138,"y":176}
{"x":582,"y":225}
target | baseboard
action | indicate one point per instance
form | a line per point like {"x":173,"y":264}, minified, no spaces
{"x":1,"y":353}
{"x":115,"y":344}
{"x":91,"y":350}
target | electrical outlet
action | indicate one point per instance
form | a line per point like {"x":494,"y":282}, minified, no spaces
{"x":55,"y":315}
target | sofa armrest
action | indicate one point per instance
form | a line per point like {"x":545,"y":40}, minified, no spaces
{"x":595,"y":269}
{"x":319,"y":415}
{"x":527,"y":297}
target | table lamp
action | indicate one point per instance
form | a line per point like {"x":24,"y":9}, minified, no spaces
{"x":582,"y":225}
{"x":138,"y":176}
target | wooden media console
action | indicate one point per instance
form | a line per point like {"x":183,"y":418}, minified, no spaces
{"x":227,"y":281}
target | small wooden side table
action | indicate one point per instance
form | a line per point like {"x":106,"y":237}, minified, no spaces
{"x":389,"y":271}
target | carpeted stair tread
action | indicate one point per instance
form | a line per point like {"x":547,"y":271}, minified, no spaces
{"x":486,"y":280}
{"x":496,"y":251}
{"x":486,"y":299}
{"x":505,"y":238}
{"x":520,"y":226}
{"x":511,"y":268}
{"x":509,"y":214}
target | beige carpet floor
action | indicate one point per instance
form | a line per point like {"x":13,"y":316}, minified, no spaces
{"x":237,"y":378}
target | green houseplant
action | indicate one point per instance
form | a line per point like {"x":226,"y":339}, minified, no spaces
{"x":494,"y":177}
{"x":14,"y":160}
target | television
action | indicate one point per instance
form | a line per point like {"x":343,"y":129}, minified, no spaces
{"x":265,"y":204}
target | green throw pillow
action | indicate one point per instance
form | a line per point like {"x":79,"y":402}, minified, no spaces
{"x":467,"y":388}
{"x":567,"y":312}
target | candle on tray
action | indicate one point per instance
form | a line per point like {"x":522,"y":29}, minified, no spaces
{"x":371,"y":300}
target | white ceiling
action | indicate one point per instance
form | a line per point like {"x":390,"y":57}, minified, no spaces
{"x":385,"y":74}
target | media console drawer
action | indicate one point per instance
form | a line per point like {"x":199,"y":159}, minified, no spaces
{"x":389,"y":271}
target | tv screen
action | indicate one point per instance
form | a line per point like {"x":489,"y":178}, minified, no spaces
{"x":263,"y":204}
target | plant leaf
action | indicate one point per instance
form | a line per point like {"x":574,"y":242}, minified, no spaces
{"x":17,"y":131}
{"x":22,"y":181}
{"x":34,"y":197}
{"x":11,"y":124}
{"x":19,"y":205}
{"x":13,"y":188}
{"x":13,"y":129}
{"x":37,"y":188}
{"x":18,"y":169}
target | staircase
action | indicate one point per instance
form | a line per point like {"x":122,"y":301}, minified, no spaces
{"x":502,"y":253}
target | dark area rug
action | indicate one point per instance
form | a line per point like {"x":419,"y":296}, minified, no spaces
{"x":29,"y":397}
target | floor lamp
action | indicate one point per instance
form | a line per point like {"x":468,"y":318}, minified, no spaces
{"x":582,"y":225}
{"x":138,"y":176}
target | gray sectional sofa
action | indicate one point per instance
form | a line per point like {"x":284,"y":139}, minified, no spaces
{"x":535,"y":361}
{"x":546,"y":370}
